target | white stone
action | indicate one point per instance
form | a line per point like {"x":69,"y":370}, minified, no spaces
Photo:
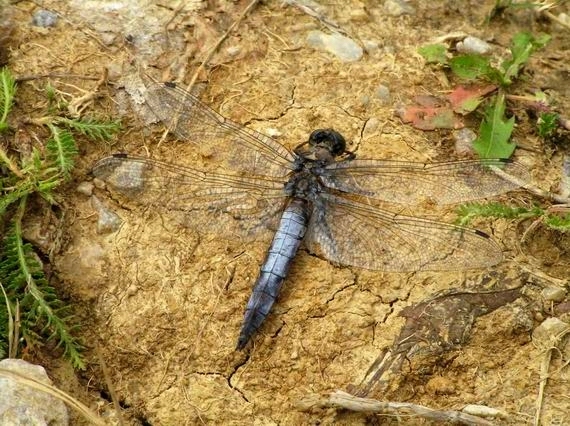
{"x":20,"y":404}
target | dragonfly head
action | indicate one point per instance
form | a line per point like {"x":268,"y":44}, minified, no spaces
{"x":323,"y":146}
{"x":329,"y":139}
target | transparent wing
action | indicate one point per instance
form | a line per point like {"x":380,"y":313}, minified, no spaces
{"x":226,"y":204}
{"x":229,"y":144}
{"x":350,"y":233}
{"x":409,"y":182}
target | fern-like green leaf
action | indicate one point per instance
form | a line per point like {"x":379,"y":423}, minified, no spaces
{"x":25,"y":281}
{"x":7,"y":92}
{"x":62,"y":150}
{"x":91,"y":128}
{"x":558,"y":223}
{"x":469,"y":211}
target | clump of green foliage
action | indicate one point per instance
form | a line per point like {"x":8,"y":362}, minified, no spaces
{"x":29,"y":305}
{"x":558,"y":222}
{"x":496,"y":128}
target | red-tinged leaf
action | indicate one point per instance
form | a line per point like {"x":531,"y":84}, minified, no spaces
{"x":430,"y":117}
{"x":429,"y":101}
{"x":465,"y":99}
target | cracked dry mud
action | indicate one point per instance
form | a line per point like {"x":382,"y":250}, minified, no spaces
{"x":164,"y":305}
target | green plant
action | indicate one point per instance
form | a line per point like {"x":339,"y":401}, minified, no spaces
{"x":496,"y":128}
{"x":554,"y":218}
{"x":26,"y":292}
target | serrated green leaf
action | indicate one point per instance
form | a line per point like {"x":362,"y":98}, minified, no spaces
{"x":471,"y":67}
{"x":434,"y":53}
{"x":523,"y":45}
{"x":495,"y":132}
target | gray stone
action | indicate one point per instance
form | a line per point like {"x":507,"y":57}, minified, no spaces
{"x":44,"y":18}
{"x":233,"y":51}
{"x":464,"y":141}
{"x":85,"y":188}
{"x":383,"y":93}
{"x":548,"y":334}
{"x":20,"y":404}
{"x":371,"y":127}
{"x":473,"y":45}
{"x":342,"y":47}
{"x":554,"y":294}
{"x":108,"y":221}
{"x":371,"y":46}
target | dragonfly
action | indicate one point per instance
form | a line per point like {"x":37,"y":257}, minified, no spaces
{"x":319,"y":194}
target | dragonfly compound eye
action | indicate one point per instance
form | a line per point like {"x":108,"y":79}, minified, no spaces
{"x":329,"y":139}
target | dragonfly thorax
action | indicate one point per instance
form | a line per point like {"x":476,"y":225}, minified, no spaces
{"x":304,"y":184}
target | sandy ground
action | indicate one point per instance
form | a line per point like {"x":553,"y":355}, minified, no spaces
{"x":163,"y":304}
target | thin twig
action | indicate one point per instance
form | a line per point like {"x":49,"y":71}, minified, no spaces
{"x":555,"y":19}
{"x":544,"y":367}
{"x":55,"y":75}
{"x":340,"y":399}
{"x":207,"y":59}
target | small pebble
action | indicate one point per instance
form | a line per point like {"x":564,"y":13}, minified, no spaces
{"x":370,"y":127}
{"x":108,"y":221}
{"x":548,"y":334}
{"x":98,"y":183}
{"x":371,"y":46}
{"x":44,"y":18}
{"x":342,"y":47}
{"x":472,"y":44}
{"x":233,"y":51}
{"x":85,"y":188}
{"x":554,"y":294}
{"x":464,"y":141}
{"x":108,"y":38}
{"x":358,"y":15}
{"x":398,"y":8}
{"x":273,"y":132}
{"x":364,"y":100}
{"x":383,"y":93}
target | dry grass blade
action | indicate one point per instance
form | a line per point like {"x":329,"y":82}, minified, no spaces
{"x":110,"y":386}
{"x":69,"y":400}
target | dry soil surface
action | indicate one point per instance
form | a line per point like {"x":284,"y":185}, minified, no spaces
{"x":161,"y":304}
